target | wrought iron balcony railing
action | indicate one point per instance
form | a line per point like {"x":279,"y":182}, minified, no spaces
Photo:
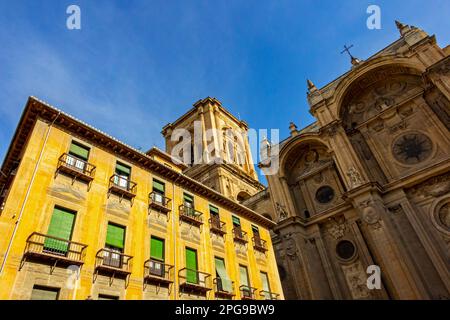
{"x":190,"y":215}
{"x":159,"y":202}
{"x":247,"y":292}
{"x":194,"y":280}
{"x":76,"y":167}
{"x":122,"y":186}
{"x":267,"y":295}
{"x":223,"y":288}
{"x":110,"y":260}
{"x":44,"y":246}
{"x":158,"y":271}
{"x":217,"y":226}
{"x":259,"y":244}
{"x":239,"y":235}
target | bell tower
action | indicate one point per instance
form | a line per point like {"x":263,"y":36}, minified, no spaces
{"x":218,"y":147}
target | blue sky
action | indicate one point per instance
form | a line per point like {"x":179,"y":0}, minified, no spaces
{"x":137,"y":65}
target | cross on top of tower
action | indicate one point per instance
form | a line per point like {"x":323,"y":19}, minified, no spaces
{"x":347,"y":49}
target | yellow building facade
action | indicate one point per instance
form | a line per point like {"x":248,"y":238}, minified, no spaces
{"x":85,"y":216}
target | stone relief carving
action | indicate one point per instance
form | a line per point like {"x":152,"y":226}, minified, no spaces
{"x":355,"y":177}
{"x":444,"y":216}
{"x":434,"y":187}
{"x":377,"y":95}
{"x":370,"y":215}
{"x":291,"y":246}
{"x":402,"y":125}
{"x":281,"y":211}
{"x":356,"y":279}
{"x":336,"y":227}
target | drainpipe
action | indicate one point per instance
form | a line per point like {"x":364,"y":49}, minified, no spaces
{"x":27,"y":194}
{"x":174,"y":235}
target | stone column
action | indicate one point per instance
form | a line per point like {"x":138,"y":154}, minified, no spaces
{"x":346,"y":159}
{"x":377,"y":229}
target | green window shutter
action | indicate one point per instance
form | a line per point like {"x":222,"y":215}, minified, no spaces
{"x":255,"y":230}
{"x":123,"y":169}
{"x":157,"y":249}
{"x":191,"y":265}
{"x":115,"y":236}
{"x":79,"y":151}
{"x":188,"y":198}
{"x":61,"y":226}
{"x":213,"y":210}
{"x":222,"y":272}
{"x":243,"y":276}
{"x":265,"y":282}
{"x":158,"y":186}
{"x":236,"y":221}
{"x":39,"y":293}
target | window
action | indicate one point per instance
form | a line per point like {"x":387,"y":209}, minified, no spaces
{"x":236,"y":222}
{"x":237,"y":227}
{"x":188,"y":204}
{"x":44,"y":293}
{"x":324,"y":194}
{"x":191,"y":266}
{"x":158,"y":192}
{"x":115,"y":238}
{"x":61,"y":226}
{"x":78,"y":155}
{"x":245,"y":282}
{"x":157,"y":256}
{"x":223,"y":281}
{"x":122,"y":177}
{"x":256,"y":236}
{"x":265,"y":285}
{"x":215,"y":219}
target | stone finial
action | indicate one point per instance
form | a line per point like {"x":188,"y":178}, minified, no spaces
{"x":402,"y":28}
{"x":311,"y":86}
{"x":293,"y":129}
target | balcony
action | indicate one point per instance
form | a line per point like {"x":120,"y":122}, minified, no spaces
{"x":239,"y":235}
{"x":46,"y":247}
{"x":158,"y":272}
{"x":190,"y":215}
{"x":217,"y":226}
{"x":267,"y":295}
{"x":247,"y":293}
{"x":159,"y":202}
{"x":220,"y":291}
{"x":194,"y":281}
{"x":122,"y":186}
{"x":259,"y":244}
{"x":113,"y":262}
{"x":76,"y":168}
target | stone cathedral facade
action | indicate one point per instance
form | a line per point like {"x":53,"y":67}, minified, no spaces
{"x":368,"y":183}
